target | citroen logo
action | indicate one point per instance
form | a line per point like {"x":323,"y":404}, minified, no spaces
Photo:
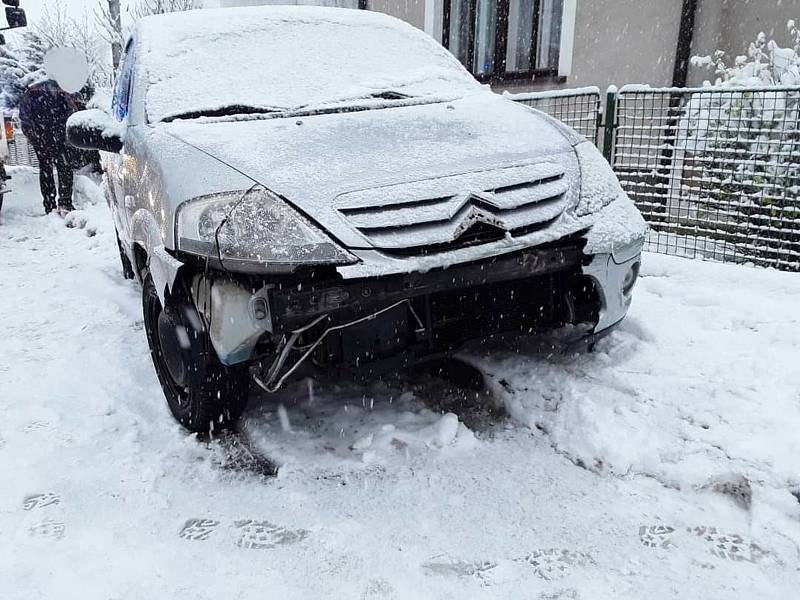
{"x":478,"y":198}
{"x":472,"y":210}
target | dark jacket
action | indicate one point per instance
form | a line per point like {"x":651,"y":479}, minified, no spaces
{"x":43,"y":113}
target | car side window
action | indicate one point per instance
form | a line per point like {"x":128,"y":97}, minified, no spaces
{"x":122,"y":88}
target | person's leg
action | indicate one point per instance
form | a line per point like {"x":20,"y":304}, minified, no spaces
{"x":47,"y":183}
{"x":65,"y":175}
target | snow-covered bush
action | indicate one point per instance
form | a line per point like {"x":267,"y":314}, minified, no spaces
{"x":12,"y":74}
{"x":741,"y":147}
{"x":765,"y":63}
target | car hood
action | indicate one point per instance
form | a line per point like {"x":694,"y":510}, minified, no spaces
{"x":348,"y":171}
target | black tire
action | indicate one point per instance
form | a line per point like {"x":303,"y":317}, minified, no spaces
{"x":127,"y":267}
{"x":203,"y":394}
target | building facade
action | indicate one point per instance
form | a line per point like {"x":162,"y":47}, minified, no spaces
{"x":525,"y":45}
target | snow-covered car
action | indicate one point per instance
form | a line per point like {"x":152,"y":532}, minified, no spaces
{"x":301,"y":186}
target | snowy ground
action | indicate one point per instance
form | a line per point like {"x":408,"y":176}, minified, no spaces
{"x":665,"y":465}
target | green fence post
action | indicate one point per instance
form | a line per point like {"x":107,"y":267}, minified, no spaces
{"x":598,"y":120}
{"x":611,"y":122}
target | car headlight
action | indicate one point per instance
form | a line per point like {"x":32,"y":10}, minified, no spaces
{"x":254,"y":226}
{"x":599,"y":184}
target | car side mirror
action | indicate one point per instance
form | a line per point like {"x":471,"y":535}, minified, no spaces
{"x":93,"y":129}
{"x":16,"y":17}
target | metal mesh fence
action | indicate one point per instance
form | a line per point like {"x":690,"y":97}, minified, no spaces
{"x":715,"y":171}
{"x":579,"y":108}
{"x":20,"y":151}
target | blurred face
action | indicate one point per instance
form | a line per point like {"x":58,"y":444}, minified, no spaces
{"x":68,"y":67}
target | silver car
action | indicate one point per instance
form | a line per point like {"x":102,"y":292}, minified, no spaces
{"x":301,"y":187}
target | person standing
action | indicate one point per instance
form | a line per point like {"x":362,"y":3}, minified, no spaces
{"x":43,"y":112}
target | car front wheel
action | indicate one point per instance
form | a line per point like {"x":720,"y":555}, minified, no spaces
{"x":203,"y":394}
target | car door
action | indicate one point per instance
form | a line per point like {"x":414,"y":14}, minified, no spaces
{"x":118,"y":169}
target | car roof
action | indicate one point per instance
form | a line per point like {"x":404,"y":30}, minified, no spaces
{"x":226,"y":19}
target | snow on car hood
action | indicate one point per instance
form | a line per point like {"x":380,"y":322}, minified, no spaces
{"x":314,"y":161}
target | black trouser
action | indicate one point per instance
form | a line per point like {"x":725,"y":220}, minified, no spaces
{"x":60,"y":159}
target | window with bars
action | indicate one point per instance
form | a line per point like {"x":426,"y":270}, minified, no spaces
{"x":500,"y":40}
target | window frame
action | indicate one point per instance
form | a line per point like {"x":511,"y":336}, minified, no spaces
{"x":124,"y":77}
{"x":499,"y":74}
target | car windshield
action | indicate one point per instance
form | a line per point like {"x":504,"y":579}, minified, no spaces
{"x":263,"y":59}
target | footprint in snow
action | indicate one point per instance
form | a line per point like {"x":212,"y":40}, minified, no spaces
{"x":547,"y":563}
{"x":36,"y":426}
{"x":75,"y":220}
{"x":477,"y":569}
{"x":53,"y":530}
{"x":724,"y":545}
{"x":40,"y":500}
{"x":656,"y":536}
{"x":250,"y":534}
{"x":729,"y":546}
{"x":377,"y":589}
{"x":198,"y":529}
{"x":261,"y":535}
{"x":554,"y":563}
{"x":565,"y":594}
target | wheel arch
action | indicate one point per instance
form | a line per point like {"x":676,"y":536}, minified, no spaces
{"x":150,"y":253}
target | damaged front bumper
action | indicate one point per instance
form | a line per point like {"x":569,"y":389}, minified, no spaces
{"x":614,"y":277}
{"x":405,"y":317}
{"x":345,"y":318}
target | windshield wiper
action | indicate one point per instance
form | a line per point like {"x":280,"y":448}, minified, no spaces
{"x":245,"y":109}
{"x":390,"y":95}
{"x":225,"y":111}
{"x":334,"y":101}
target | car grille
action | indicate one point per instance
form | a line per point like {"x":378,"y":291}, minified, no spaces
{"x":458,"y":211}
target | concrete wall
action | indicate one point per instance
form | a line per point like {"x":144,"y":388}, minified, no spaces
{"x":730,"y":25}
{"x":412,"y":11}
